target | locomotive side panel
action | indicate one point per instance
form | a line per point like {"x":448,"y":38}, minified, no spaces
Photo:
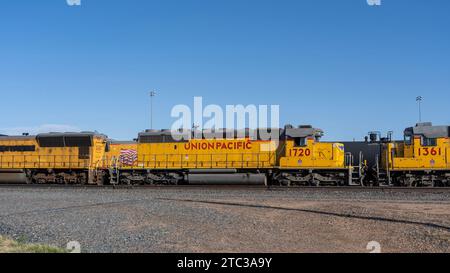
{"x":15,"y":152}
{"x":121,"y":154}
{"x":313,"y":154}
{"x":205,"y":154}
{"x":416,"y":156}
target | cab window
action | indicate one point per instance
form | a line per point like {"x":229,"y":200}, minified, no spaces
{"x":300,"y":142}
{"x":408,"y":140}
{"x":429,"y":142}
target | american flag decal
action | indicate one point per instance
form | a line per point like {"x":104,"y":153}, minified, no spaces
{"x":128,"y":157}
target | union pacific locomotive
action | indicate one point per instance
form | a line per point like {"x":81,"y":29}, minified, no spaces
{"x":295,"y":157}
{"x":232,"y":157}
{"x":71,"y":158}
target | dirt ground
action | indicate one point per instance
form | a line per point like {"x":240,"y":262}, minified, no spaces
{"x":327,"y":226}
{"x":228,"y":220}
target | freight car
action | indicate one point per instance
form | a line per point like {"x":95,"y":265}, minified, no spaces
{"x":65,"y":158}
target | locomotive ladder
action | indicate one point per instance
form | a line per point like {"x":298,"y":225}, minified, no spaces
{"x":355,"y":173}
{"x":114,"y":172}
{"x":383,"y":176}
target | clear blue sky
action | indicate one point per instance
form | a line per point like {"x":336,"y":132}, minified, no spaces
{"x":343,"y":66}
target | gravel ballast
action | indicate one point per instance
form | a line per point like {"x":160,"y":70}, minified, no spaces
{"x":228,"y":219}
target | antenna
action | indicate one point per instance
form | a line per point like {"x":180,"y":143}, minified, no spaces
{"x":419,"y":102}
{"x":152,"y":95}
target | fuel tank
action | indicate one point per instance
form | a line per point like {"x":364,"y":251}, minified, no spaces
{"x":226,"y":179}
{"x":12,"y":177}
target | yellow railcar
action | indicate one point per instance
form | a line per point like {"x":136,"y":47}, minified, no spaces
{"x":54,"y":157}
{"x":423,"y":158}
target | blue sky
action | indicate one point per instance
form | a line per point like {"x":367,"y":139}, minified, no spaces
{"x":343,"y":66}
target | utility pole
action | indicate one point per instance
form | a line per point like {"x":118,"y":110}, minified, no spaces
{"x":419,"y":101}
{"x":152,"y":95}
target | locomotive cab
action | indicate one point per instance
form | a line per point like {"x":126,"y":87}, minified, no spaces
{"x":421,"y":158}
{"x":302,"y":149}
{"x":304,"y":160}
{"x":424,"y":147}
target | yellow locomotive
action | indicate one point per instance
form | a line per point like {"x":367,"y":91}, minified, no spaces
{"x":161,"y":159}
{"x":71,"y":158}
{"x":421,"y":159}
{"x":296,"y":156}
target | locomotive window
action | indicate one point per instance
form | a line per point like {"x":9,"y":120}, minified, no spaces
{"x":300,"y":141}
{"x":408,"y":140}
{"x":429,"y":142}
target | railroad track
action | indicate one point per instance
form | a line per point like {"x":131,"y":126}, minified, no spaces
{"x":228,"y":187}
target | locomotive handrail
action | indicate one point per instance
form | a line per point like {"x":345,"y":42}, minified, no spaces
{"x":215,"y":160}
{"x":14,"y":161}
{"x":348,"y":159}
{"x":247,"y":160}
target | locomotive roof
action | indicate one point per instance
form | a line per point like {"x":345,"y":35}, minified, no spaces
{"x":427,"y":130}
{"x":166,"y":132}
{"x":289,"y":131}
{"x":6,"y":137}
{"x":303,"y":131}
{"x":54,"y":134}
{"x":70,"y":134}
{"x":122,"y":141}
